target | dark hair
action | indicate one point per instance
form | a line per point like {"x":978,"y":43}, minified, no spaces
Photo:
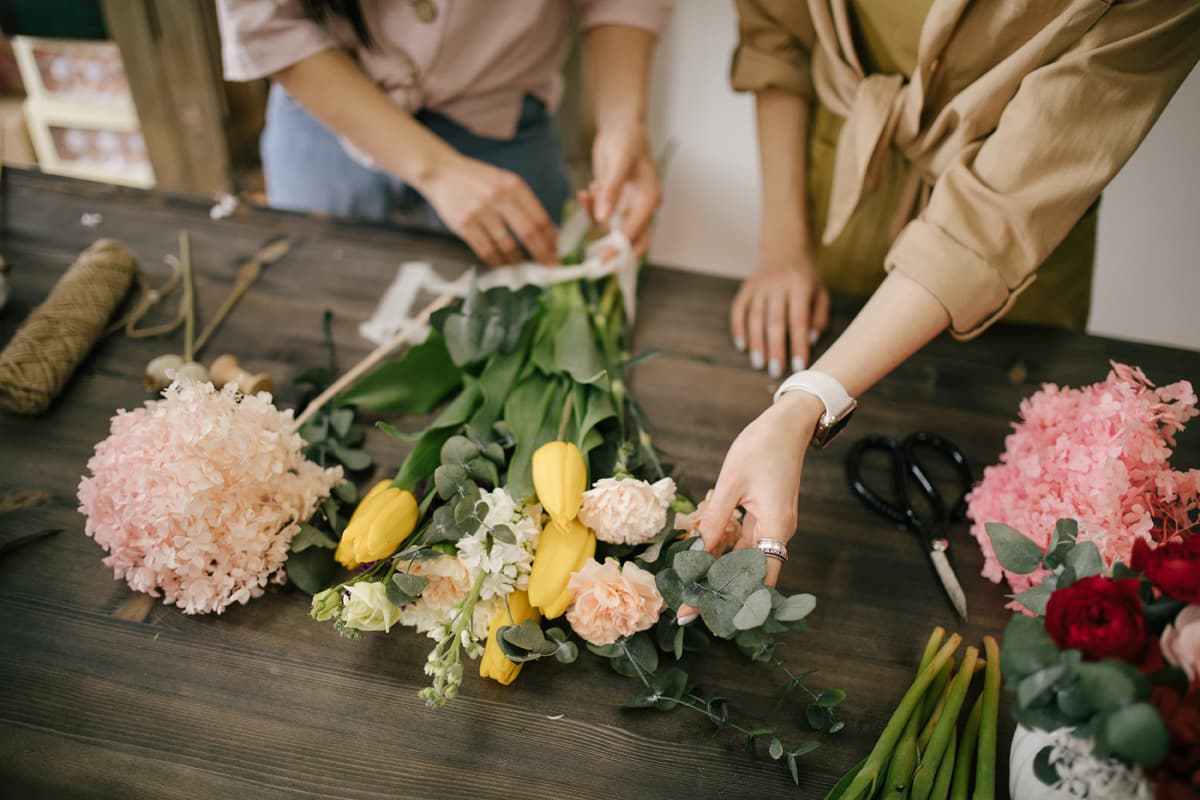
{"x":351,"y":10}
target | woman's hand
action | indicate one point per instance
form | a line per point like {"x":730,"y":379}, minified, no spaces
{"x":492,"y":210}
{"x":625,"y":186}
{"x":761,"y":474}
{"x":780,"y":312}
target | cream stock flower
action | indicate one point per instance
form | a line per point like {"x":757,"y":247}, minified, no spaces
{"x":368,"y":608}
{"x":626,"y":511}
{"x":1181,"y":642}
{"x":610,"y":601}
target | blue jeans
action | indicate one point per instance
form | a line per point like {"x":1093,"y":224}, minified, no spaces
{"x":307,"y":169}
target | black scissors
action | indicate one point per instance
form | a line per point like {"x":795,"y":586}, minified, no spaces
{"x":906,"y":465}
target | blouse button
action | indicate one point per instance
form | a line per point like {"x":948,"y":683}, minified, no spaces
{"x":425,"y":9}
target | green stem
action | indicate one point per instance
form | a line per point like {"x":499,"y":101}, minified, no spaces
{"x":935,"y":701}
{"x":945,"y":772}
{"x":963,"y":761}
{"x":985,"y":763}
{"x":863,"y":785}
{"x":926,"y":773}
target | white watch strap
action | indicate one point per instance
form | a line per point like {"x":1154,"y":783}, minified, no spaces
{"x":824,"y":386}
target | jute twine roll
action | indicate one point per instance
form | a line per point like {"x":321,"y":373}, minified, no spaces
{"x":58,"y":334}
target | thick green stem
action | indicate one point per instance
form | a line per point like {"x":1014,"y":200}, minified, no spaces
{"x":931,"y":647}
{"x":931,"y":759}
{"x":965,"y":760}
{"x":985,"y":761}
{"x":935,"y":701}
{"x":941,"y":785}
{"x":863,"y":785}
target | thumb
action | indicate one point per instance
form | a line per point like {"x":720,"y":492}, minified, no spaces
{"x":610,"y":177}
{"x":718,"y":512}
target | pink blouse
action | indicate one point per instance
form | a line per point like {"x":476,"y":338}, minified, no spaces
{"x":471,"y":60}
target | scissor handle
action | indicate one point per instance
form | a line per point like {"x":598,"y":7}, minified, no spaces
{"x":945,"y":507}
{"x":900,"y":511}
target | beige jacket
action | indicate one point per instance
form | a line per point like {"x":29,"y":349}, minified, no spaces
{"x":1016,"y":117}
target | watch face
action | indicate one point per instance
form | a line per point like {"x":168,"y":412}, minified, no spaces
{"x":827,"y":430}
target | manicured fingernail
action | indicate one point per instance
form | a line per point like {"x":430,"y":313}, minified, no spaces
{"x":773,"y":368}
{"x":797,"y":363}
{"x":740,"y":344}
{"x":687,"y":619}
{"x":756,"y":359}
{"x":698,"y":544}
{"x":813,"y":336}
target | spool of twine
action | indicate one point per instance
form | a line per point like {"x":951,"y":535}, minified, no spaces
{"x":57,"y":335}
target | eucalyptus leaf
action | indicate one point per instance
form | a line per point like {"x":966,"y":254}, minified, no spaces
{"x":775,"y":748}
{"x":340,"y":420}
{"x":474,"y":330}
{"x":1027,"y":647}
{"x":503,"y":533}
{"x":567,"y":652}
{"x":754,"y":611}
{"x":352,"y":458}
{"x":739,"y":573}
{"x":1085,"y":560}
{"x":1038,"y":688}
{"x":527,"y":635}
{"x":815,"y":716}
{"x":346,"y":491}
{"x":1137,"y":733}
{"x":1015,"y":551}
{"x":310,"y":569}
{"x":830,"y":698}
{"x":1034,"y":598}
{"x":796,"y":608}
{"x":692,"y":565}
{"x":670,"y":587}
{"x":309,"y":536}
{"x":412,"y":585}
{"x":458,"y":450}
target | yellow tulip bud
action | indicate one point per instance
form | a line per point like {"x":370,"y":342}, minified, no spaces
{"x":389,"y":527}
{"x":560,"y":478}
{"x":360,"y":522}
{"x":561,"y":550}
{"x":494,"y":664}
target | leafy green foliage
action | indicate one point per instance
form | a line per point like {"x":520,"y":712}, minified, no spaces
{"x":411,"y":384}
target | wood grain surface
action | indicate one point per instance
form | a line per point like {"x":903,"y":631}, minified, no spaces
{"x":105,"y":695}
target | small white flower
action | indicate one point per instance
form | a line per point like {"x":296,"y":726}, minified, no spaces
{"x":627,"y":511}
{"x":1083,"y":775}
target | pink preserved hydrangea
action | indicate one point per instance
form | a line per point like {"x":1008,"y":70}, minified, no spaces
{"x":1097,"y":455}
{"x":196,"y":497}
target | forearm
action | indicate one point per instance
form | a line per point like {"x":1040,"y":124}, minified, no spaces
{"x":782,"y":119}
{"x":898,"y":320}
{"x":618,"y":74}
{"x":331,"y":87}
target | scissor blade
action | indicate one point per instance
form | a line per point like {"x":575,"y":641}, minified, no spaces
{"x":949,"y":582}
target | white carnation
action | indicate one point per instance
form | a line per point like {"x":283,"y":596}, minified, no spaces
{"x":627,"y":511}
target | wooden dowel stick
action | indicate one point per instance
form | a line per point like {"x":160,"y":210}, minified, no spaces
{"x":372,"y":358}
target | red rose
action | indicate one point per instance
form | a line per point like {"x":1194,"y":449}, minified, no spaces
{"x":1178,"y":776}
{"x":1173,"y":566}
{"x":1099,"y":617}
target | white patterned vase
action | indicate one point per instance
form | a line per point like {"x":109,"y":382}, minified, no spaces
{"x":1081,"y":775}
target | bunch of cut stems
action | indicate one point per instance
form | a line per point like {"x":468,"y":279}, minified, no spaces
{"x":928,"y":751}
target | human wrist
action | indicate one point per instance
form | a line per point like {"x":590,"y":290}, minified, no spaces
{"x":802,"y":411}
{"x":425,"y":162}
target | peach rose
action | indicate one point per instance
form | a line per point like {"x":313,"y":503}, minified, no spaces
{"x":610,"y":600}
{"x":1181,"y":642}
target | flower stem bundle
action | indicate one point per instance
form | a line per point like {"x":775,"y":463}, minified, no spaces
{"x":925,"y":754}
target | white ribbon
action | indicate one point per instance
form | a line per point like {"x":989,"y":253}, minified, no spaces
{"x":395,"y":310}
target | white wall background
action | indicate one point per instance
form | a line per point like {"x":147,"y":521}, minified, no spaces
{"x":1147,"y":284}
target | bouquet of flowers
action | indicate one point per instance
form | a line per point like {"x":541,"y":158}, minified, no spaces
{"x":534,"y":513}
{"x":1110,"y":663}
{"x":1098,"y":455}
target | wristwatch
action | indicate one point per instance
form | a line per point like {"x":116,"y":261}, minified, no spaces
{"x":839,"y":405}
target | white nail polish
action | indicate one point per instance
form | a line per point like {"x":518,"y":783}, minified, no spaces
{"x":740,"y":344}
{"x":698,"y":544}
{"x":756,"y":359}
{"x":773,"y":368}
{"x":813,"y":336}
{"x":797,"y":363}
{"x":687,"y":619}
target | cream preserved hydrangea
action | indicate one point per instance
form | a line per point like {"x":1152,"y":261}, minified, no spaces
{"x":627,"y":511}
{"x":196,"y":497}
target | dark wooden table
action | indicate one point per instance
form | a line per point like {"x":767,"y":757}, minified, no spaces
{"x":100,"y":697}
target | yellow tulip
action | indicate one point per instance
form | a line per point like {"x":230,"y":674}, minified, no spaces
{"x":397,"y":507}
{"x":561,"y":550}
{"x":560,"y":478}
{"x":394,"y":522}
{"x":494,"y":664}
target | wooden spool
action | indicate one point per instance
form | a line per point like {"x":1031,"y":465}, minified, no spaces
{"x":225,"y":369}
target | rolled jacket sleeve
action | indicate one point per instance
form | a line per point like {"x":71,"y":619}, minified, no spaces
{"x":774,"y":49}
{"x":262,"y":37}
{"x":1006,"y":201}
{"x":651,"y":15}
